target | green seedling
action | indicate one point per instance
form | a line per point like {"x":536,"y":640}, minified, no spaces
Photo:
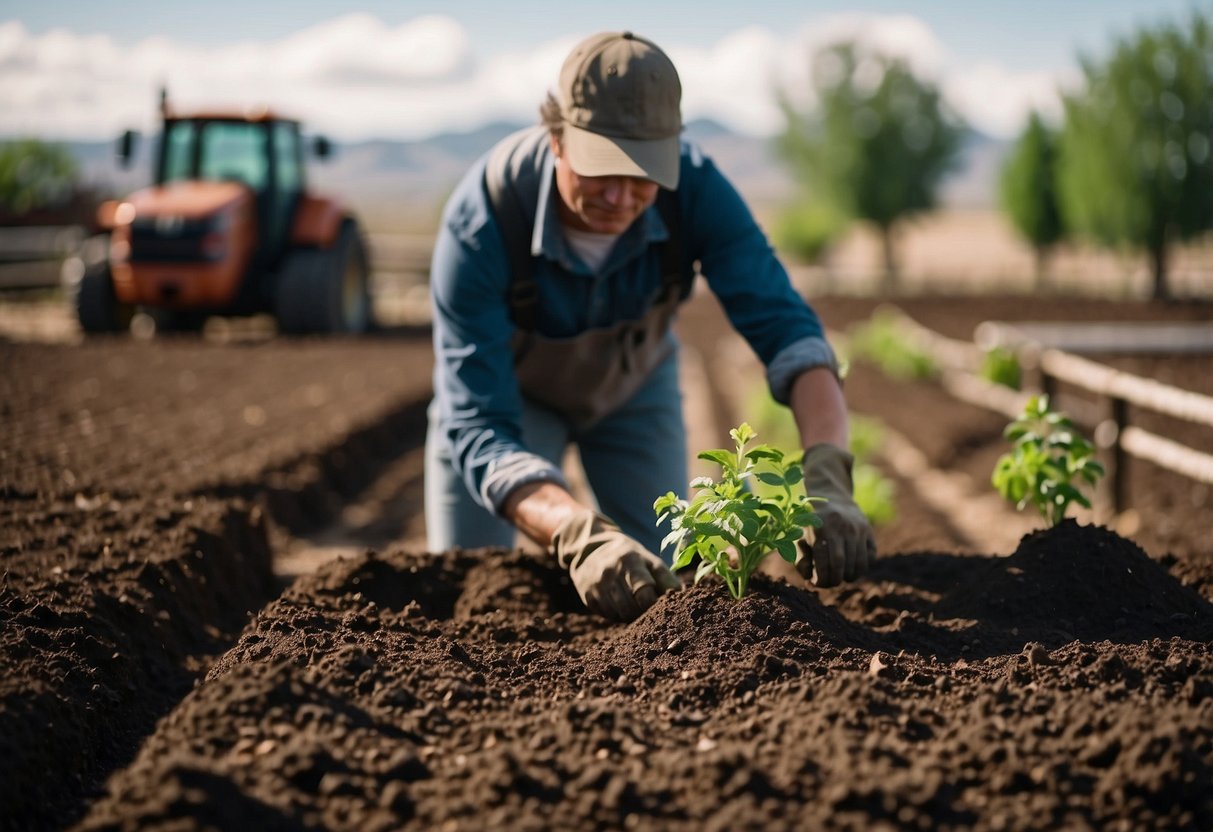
{"x":874,"y":493}
{"x":1046,"y":461}
{"x":730,"y":528}
{"x":1001,"y":366}
{"x":882,"y":340}
{"x":867,"y":435}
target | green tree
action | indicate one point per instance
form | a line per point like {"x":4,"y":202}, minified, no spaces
{"x":34,"y":174}
{"x":1136,"y":167}
{"x":877,"y":143}
{"x":1029,"y":191}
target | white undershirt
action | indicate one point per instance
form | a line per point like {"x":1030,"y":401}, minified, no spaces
{"x":591,"y":246}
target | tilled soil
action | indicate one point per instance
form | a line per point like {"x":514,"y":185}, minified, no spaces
{"x":147,"y":490}
{"x":144,"y":490}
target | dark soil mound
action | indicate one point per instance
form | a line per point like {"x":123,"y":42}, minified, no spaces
{"x":1083,"y":582}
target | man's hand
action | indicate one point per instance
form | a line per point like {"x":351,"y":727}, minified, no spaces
{"x":614,"y":575}
{"x":844,"y":547}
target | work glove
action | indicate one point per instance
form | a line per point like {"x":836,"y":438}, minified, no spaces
{"x":843,"y":548}
{"x":615,"y":576}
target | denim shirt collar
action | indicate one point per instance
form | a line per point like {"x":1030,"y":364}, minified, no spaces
{"x":547,"y":239}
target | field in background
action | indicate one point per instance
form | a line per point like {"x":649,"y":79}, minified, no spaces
{"x":977,"y":252}
{"x":398,"y":190}
{"x":958,"y":251}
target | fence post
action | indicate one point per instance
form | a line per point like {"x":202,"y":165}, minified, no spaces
{"x":1033,"y":375}
{"x":1048,"y":387}
{"x":1111,"y":494}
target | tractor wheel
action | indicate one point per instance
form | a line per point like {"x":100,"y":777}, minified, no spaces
{"x":97,"y":307}
{"x":326,"y":290}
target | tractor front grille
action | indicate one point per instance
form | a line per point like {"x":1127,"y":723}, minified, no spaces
{"x":172,"y":240}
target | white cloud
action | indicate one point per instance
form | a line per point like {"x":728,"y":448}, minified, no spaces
{"x":356,"y":77}
{"x":732,"y":81}
{"x":353,"y":76}
{"x":998,"y":102}
{"x":898,"y":36}
{"x":359,"y":49}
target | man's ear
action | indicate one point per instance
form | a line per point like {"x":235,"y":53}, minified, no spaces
{"x":554,"y":138}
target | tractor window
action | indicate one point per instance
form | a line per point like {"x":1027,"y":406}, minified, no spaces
{"x":179,"y":150}
{"x":288,"y":182}
{"x":236,"y":151}
{"x":286,"y":154}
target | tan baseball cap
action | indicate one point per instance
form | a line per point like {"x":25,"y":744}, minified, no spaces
{"x":620,"y":99}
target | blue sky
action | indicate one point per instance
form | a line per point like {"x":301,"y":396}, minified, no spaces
{"x":76,"y":69}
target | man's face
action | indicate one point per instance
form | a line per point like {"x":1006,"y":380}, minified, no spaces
{"x":603,"y":204}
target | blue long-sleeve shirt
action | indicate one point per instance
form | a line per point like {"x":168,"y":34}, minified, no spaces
{"x":478,"y":400}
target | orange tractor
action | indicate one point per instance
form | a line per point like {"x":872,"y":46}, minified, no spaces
{"x":228,"y":228}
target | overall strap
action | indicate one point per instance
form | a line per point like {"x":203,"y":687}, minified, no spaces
{"x":517,"y":225}
{"x":675,"y":276}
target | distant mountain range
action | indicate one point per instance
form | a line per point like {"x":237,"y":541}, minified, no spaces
{"x":422,"y":172}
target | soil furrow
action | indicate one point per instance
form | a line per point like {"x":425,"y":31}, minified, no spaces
{"x":115,"y":601}
{"x":98,"y":649}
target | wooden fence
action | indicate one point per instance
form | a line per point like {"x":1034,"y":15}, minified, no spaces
{"x":31,"y":257}
{"x":1045,"y":366}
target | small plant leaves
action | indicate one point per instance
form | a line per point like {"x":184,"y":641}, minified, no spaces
{"x":729,"y":528}
{"x":721,"y":458}
{"x":1047,"y":454}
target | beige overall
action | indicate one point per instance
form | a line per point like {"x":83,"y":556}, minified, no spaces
{"x":587,"y":376}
